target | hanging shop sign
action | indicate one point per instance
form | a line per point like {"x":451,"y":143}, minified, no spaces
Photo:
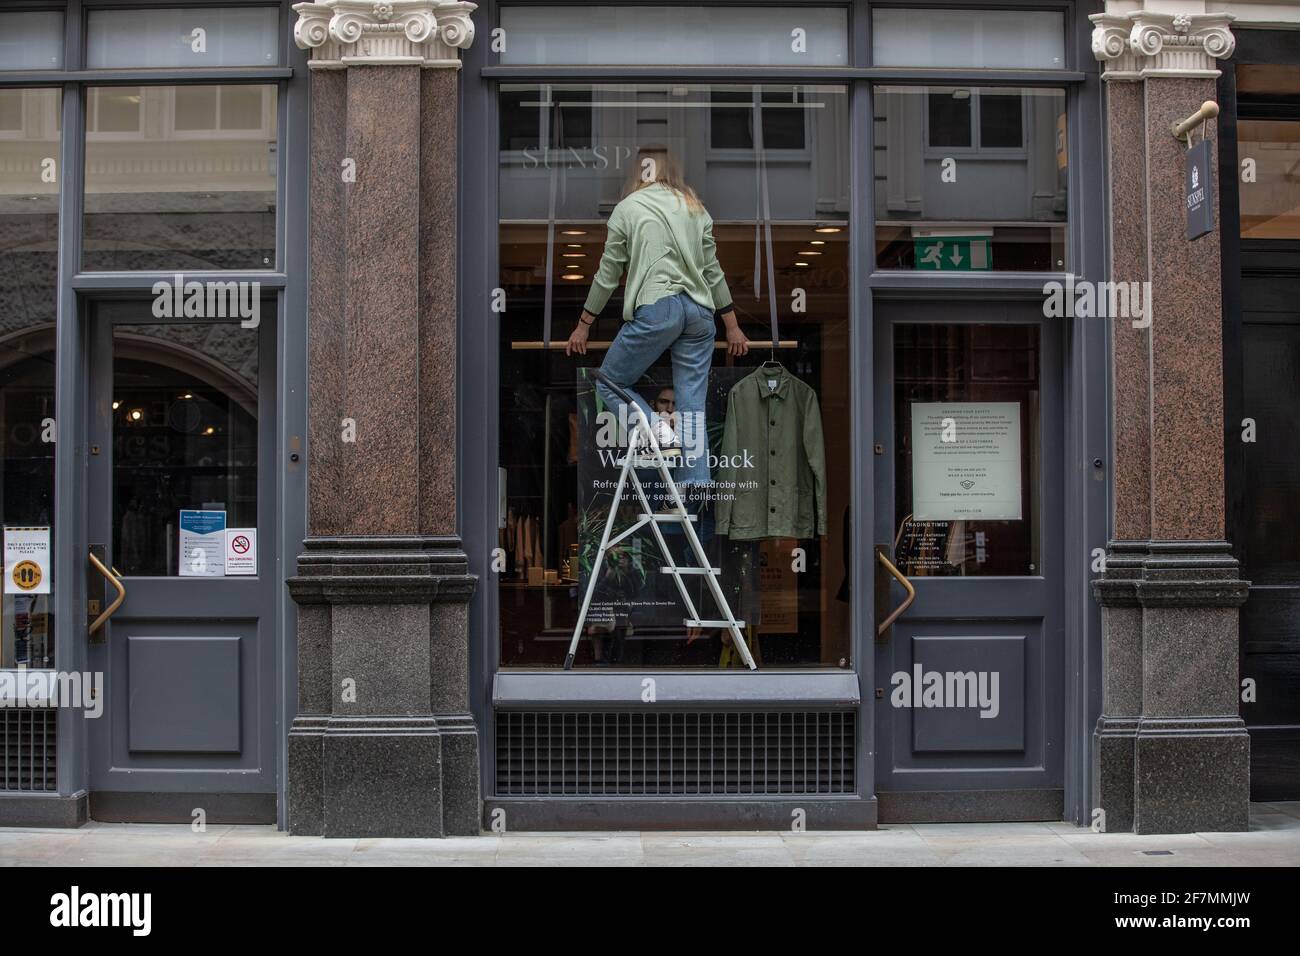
{"x":1199,"y":191}
{"x":27,"y":560}
{"x":966,"y":461}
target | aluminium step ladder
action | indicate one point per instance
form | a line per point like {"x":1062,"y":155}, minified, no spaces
{"x":644,"y":449}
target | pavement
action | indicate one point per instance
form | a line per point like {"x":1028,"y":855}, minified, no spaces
{"x":1273,"y":840}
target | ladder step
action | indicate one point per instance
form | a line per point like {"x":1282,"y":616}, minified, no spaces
{"x":672,"y":517}
{"x":690,"y":623}
{"x":691,"y":570}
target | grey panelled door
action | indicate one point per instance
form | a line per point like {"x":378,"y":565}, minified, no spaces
{"x":968,"y":417}
{"x":182,"y":418}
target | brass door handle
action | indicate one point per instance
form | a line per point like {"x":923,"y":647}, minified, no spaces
{"x":98,"y":622}
{"x":901,"y":578}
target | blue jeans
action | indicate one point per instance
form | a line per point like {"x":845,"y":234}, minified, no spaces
{"x":679,"y":323}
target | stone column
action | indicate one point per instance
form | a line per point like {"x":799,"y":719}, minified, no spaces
{"x":1171,"y":753}
{"x":383,"y":743}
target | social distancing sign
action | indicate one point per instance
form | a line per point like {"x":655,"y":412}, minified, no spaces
{"x":27,"y":560}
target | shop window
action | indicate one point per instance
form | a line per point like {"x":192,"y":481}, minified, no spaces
{"x":787,"y":579}
{"x":29,"y":227}
{"x":976,"y":39}
{"x":966,"y":430}
{"x":616,"y":34}
{"x":180,"y":177}
{"x":197,"y":37}
{"x":31,"y":40}
{"x":971,"y":179}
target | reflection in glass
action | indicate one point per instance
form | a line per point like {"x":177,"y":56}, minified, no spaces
{"x":621,"y":33}
{"x":1270,"y":207}
{"x":29,"y":221}
{"x":180,"y":177}
{"x":970,"y":179}
{"x":568,"y":154}
{"x":184,"y":413}
{"x":983,"y":39}
{"x":201,"y":37}
{"x":982,"y":383}
{"x":31,"y":40}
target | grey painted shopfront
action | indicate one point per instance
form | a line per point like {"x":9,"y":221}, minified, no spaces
{"x":1014,"y":592}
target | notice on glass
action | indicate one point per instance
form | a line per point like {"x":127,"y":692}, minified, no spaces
{"x":203,"y":544}
{"x":27,"y":560}
{"x":966,"y":461}
{"x":241,"y":551}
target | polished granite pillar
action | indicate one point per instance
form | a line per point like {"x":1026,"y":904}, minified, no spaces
{"x":383,"y":743}
{"x":1171,"y":753}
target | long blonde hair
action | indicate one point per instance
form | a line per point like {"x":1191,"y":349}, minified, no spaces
{"x":654,"y":164}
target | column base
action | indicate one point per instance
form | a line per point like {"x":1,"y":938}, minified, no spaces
{"x":1114,"y":751}
{"x":1192,"y":775}
{"x":383,"y":777}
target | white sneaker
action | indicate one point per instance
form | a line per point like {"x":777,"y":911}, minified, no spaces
{"x":668,"y":441}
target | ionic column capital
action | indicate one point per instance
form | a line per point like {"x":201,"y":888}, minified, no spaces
{"x":343,"y":33}
{"x":1142,"y":44}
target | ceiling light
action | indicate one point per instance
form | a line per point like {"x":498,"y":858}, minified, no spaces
{"x":827,"y":229}
{"x":574,"y":232}
{"x":573,"y":276}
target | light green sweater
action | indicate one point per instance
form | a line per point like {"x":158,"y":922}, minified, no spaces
{"x":665,"y":250}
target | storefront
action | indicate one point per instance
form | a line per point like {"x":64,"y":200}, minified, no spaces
{"x":462,"y":610}
{"x":889,"y":189}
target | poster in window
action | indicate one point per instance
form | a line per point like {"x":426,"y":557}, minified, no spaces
{"x":966,"y":461}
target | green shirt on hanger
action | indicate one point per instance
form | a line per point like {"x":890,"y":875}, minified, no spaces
{"x":666,"y":250}
{"x":773,"y":459}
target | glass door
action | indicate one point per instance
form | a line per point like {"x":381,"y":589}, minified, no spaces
{"x":180,"y":579}
{"x":968,"y":563}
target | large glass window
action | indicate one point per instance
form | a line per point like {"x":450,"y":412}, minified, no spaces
{"x":180,"y":177}
{"x":1270,"y":200}
{"x":970,"y":179}
{"x":979,"y":39}
{"x":29,"y":242}
{"x":182,"y":37}
{"x":31,"y":40}
{"x":616,"y":34}
{"x":569,"y":155}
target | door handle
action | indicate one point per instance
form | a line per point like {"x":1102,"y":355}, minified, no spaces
{"x":112,"y":579}
{"x":882,"y":592}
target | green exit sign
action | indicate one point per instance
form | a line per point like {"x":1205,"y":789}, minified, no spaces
{"x":953,"y":253}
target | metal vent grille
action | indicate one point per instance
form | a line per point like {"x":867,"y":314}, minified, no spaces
{"x":675,"y":753}
{"x":29,"y":751}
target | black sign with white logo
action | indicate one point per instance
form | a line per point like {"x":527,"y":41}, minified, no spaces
{"x":1198,"y":191}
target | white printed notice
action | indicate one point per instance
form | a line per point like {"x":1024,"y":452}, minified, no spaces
{"x":27,"y":560}
{"x":203,"y":544}
{"x":241,"y":551}
{"x":966,"y":461}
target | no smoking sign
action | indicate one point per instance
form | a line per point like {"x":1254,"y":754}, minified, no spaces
{"x":241,"y":551}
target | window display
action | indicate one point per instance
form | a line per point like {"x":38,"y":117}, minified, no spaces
{"x":729,"y":331}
